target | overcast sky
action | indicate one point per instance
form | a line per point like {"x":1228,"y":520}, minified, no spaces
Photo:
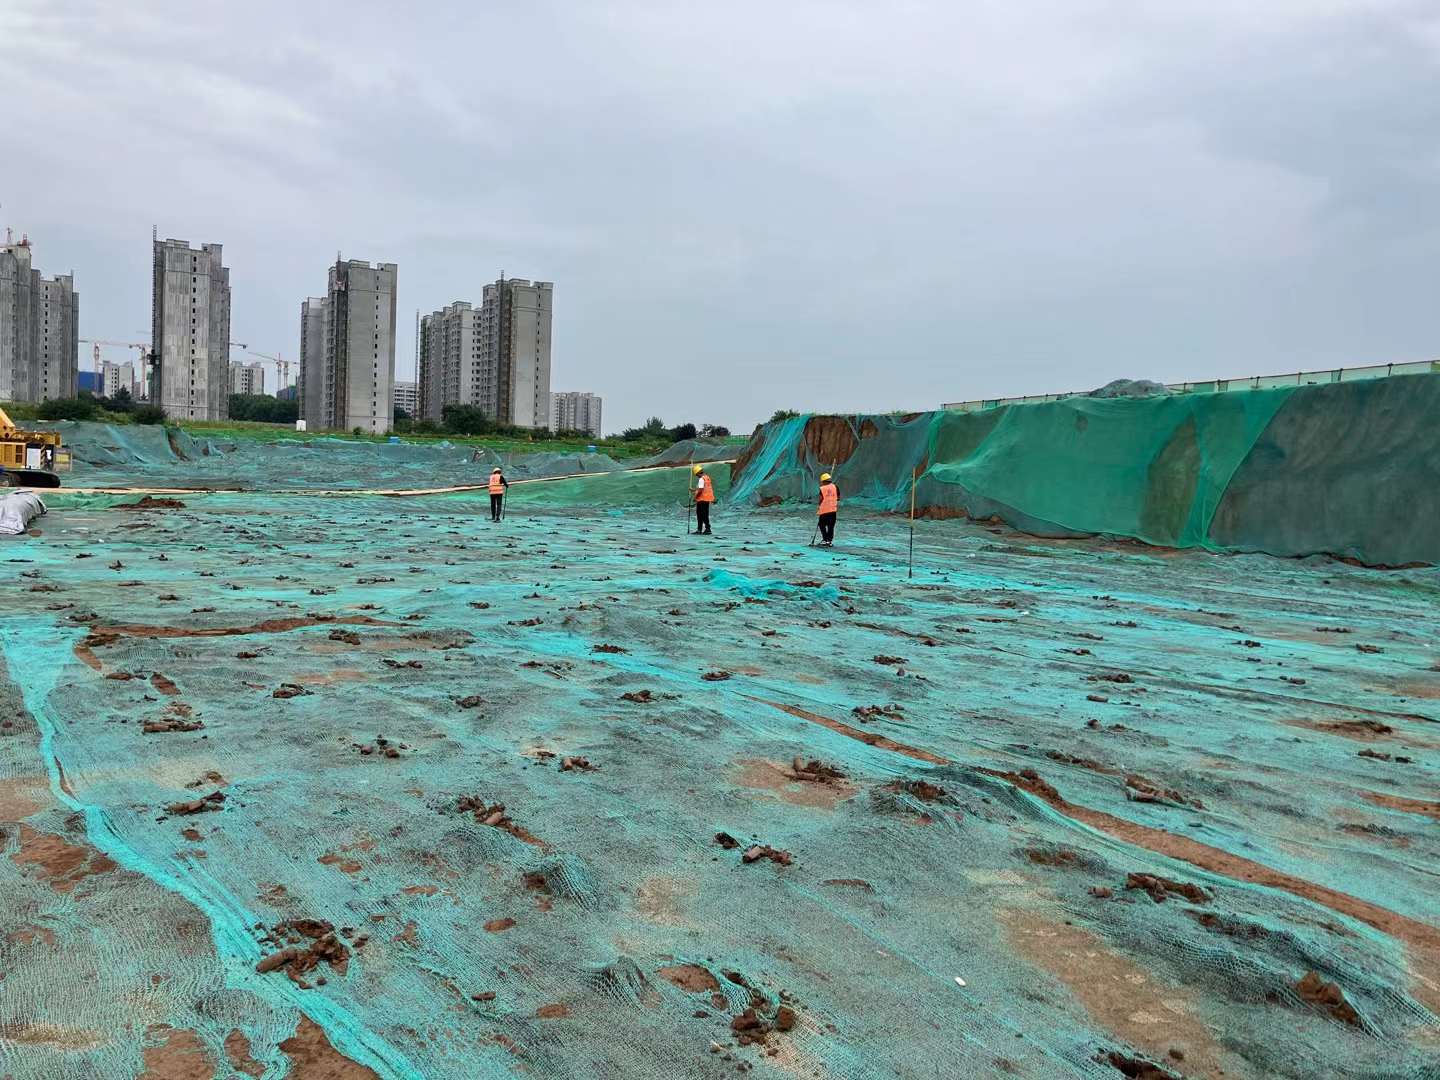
{"x":754,"y":205}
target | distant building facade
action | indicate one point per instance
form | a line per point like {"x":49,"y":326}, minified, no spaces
{"x":246,"y":378}
{"x":347,"y":349}
{"x":406,"y":396}
{"x":310,"y":384}
{"x":190,"y":331}
{"x":117,"y":377}
{"x":39,"y":329}
{"x":515,"y":319}
{"x":452,"y":367}
{"x":575,"y":411}
{"x":496,"y":358}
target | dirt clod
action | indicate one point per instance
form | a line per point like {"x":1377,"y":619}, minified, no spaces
{"x":289,"y":690}
{"x":815,"y":771}
{"x":756,"y":852}
{"x":1160,"y":888}
{"x":214,"y":801}
{"x":1328,"y":995}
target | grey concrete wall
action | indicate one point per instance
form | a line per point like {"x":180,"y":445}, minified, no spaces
{"x":310,"y":383}
{"x":191,"y":330}
{"x":360,"y":344}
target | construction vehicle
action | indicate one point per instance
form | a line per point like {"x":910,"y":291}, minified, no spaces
{"x":30,"y":458}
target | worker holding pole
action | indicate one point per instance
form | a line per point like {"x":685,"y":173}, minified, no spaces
{"x":829,"y":508}
{"x":499,"y":487}
{"x":704,"y":496}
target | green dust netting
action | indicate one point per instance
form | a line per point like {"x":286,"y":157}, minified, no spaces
{"x":110,"y":456}
{"x":1350,"y":469}
{"x":366,"y":679}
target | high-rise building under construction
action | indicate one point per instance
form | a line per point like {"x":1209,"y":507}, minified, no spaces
{"x":39,"y":328}
{"x":347,"y":349}
{"x":496,"y":358}
{"x":190,"y":331}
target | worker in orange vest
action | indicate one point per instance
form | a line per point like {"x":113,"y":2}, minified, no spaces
{"x":704,"y":495}
{"x":499,"y":487}
{"x":829,"y":507}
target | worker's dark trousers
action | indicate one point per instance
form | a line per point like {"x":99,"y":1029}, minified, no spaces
{"x":495,"y":501}
{"x":702,"y":517}
{"x":827,"y":527}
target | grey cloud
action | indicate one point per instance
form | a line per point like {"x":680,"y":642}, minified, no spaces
{"x":749,"y":206}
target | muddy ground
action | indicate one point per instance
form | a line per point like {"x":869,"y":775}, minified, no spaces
{"x":359,"y":788}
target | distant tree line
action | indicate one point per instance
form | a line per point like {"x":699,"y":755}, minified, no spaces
{"x":87,"y":406}
{"x":655,"y":428}
{"x":264,"y":409}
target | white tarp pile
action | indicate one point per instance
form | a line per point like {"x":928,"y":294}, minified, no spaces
{"x":17,"y":510}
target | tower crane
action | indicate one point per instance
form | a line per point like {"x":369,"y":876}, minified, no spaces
{"x":140,"y":360}
{"x":282,"y":366}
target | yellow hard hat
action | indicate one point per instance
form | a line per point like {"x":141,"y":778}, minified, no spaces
{"x":698,"y":469}
{"x":824,"y":476}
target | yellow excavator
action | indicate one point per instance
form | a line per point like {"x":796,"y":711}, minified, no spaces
{"x":30,"y":459}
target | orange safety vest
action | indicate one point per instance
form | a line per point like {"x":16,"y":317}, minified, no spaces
{"x":829,"y":499}
{"x":497,"y":484}
{"x":705,"y":492}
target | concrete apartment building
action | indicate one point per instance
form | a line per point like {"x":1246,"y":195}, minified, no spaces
{"x":190,"y":331}
{"x":573,"y":410}
{"x":116,"y":377}
{"x":246,"y":378}
{"x":451,"y":366}
{"x":515,"y":319}
{"x":358,"y":374}
{"x":310,"y":384}
{"x":406,"y":396}
{"x":496,"y":358}
{"x":39,"y":328}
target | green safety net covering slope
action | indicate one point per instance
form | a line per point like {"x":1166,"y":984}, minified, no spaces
{"x":1082,"y":782}
{"x":112,"y":456}
{"x":1348,"y":469}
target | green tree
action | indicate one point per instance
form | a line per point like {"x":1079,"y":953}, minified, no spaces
{"x":783,"y":414}
{"x":76,"y":408}
{"x":148,"y":414}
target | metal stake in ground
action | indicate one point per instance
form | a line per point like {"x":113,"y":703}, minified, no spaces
{"x":913,"y":473}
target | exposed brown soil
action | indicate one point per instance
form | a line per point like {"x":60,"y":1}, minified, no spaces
{"x":237,"y":1051}
{"x":150,"y":502}
{"x":164,"y":684}
{"x":640,"y":697}
{"x":691,"y":978}
{"x":268,"y":626}
{"x":1423,"y":939}
{"x":495,"y":926}
{"x":866,"y":737}
{"x":180,"y":1056}
{"x":1117,"y":992}
{"x":62,"y":864}
{"x":557,"y":1011}
{"x":313,"y":1058}
{"x":341,"y":863}
{"x":779,"y":781}
{"x":1400,"y":802}
{"x":1328,"y":996}
{"x":576,"y":764}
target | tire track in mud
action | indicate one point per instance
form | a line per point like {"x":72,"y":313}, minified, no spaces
{"x":229,"y":919}
{"x":1422,"y":938}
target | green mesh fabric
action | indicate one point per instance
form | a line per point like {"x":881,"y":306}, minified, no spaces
{"x":1350,"y":469}
{"x":1020,"y":728}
